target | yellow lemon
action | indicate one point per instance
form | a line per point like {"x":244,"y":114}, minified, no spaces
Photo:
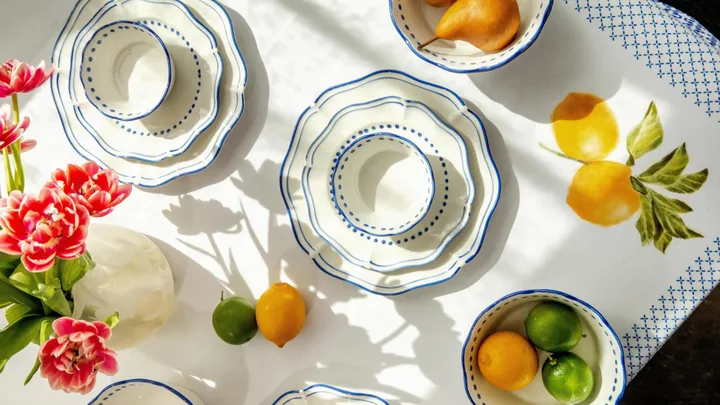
{"x":601,"y":193}
{"x":585,"y":127}
{"x":507,"y":360}
{"x":280,"y":313}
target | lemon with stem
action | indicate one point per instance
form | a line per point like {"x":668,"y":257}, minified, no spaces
{"x":585,"y":127}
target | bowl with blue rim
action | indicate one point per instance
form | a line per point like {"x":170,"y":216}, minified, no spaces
{"x":415,"y":22}
{"x":324,"y":394}
{"x":127,"y":70}
{"x":599,"y":347}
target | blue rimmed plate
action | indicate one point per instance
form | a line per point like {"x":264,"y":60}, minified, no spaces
{"x":200,"y":153}
{"x":141,"y":391}
{"x":191,"y":106}
{"x":449,"y":108}
{"x":600,"y":347}
{"x":322,"y":394}
{"x":415,"y":22}
{"x":387,"y":182}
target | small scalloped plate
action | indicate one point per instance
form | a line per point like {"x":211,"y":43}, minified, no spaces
{"x":141,"y":391}
{"x":412,"y":124}
{"x":600,"y":348}
{"x":321,"y":394}
{"x":449,"y":108}
{"x":415,"y":21}
{"x":191,"y":106}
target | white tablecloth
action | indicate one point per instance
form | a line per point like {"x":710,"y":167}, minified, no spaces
{"x":227,"y":227}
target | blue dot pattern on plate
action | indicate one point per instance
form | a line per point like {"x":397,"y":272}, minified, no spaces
{"x":337,"y":186}
{"x":191,"y":104}
{"x":112,"y":392}
{"x":475,"y":345}
{"x":89,"y":62}
{"x":537,"y":20}
{"x":410,"y":133}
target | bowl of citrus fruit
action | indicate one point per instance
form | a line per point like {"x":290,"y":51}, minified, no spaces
{"x":466,"y":36}
{"x":542,"y":347}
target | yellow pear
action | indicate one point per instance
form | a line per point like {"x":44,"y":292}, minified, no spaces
{"x":489,"y":25}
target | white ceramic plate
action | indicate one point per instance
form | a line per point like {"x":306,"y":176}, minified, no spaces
{"x":449,"y":108}
{"x":321,"y":394}
{"x":392,"y":120}
{"x":600,"y":348}
{"x":145,"y":392}
{"x":192,"y":105}
{"x":415,"y":21}
{"x":200,"y":153}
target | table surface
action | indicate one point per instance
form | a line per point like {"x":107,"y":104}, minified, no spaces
{"x":687,"y":368}
{"x":247,"y":211}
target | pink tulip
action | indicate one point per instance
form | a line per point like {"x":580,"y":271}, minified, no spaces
{"x":19,"y":77}
{"x":72,"y":360}
{"x":97,"y":190}
{"x":9,"y":130}
{"x":40,"y":228}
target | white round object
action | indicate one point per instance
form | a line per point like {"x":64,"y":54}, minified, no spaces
{"x":416,"y":20}
{"x":600,"y":348}
{"x":145,"y":392}
{"x":393,"y":88}
{"x":385,"y":188}
{"x":183,"y":151}
{"x":126,"y":70}
{"x":131,"y":277}
{"x":323,"y":394}
{"x":452,"y":186}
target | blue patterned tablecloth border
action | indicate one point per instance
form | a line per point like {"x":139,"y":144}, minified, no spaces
{"x":683,"y":52}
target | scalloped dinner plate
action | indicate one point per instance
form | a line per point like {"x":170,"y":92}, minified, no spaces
{"x":413,"y":124}
{"x":448,"y":107}
{"x":200,"y":153}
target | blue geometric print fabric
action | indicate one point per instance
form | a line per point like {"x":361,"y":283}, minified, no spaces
{"x":682,"y":52}
{"x":679,"y":50}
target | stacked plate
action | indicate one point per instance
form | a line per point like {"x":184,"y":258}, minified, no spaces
{"x":150,"y":88}
{"x":390,"y":183}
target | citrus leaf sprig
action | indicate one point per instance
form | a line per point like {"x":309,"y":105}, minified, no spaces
{"x":659,"y":220}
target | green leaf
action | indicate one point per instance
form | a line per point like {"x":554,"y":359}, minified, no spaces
{"x":72,"y":271}
{"x":3,"y":362}
{"x":15,"y":312}
{"x":663,"y":241}
{"x":17,"y":336}
{"x":45,"y":333}
{"x":671,"y":204}
{"x":668,"y":170}
{"x":59,"y":303}
{"x":646,"y":224}
{"x":9,"y":293}
{"x":690,"y":183}
{"x":23,"y":280}
{"x":6,"y":258}
{"x":646,"y":136}
{"x":112,"y":320}
{"x":673,"y":225}
{"x":638,"y":186}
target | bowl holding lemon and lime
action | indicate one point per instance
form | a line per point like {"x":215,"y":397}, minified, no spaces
{"x":541,"y":347}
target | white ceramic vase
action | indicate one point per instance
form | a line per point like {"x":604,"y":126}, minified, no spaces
{"x":131,"y":277}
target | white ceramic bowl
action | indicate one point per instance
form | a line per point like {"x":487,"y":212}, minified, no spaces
{"x":145,"y":392}
{"x":126,"y":70}
{"x":383,"y":184}
{"x":415,"y":21}
{"x":321,"y":394}
{"x":600,"y":348}
{"x":449,"y":181}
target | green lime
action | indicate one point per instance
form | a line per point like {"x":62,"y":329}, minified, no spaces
{"x":553,"y":327}
{"x":234,"y":321}
{"x":568,"y":378}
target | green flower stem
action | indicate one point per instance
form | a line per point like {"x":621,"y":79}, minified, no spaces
{"x":19,"y":177}
{"x":554,"y":152}
{"x":9,"y":183}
